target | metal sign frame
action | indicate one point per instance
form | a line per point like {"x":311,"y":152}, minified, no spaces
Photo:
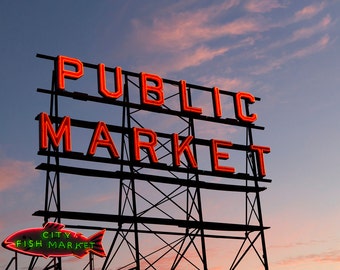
{"x":176,"y":218}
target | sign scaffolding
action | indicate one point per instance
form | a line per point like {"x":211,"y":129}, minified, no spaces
{"x":156,"y":146}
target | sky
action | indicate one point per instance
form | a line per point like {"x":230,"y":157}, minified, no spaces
{"x":286,"y":52}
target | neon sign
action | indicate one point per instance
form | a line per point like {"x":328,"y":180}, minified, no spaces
{"x":149,"y":84}
{"x":143,"y":139}
{"x":151,"y":133}
{"x":165,"y":143}
{"x":53,"y":240}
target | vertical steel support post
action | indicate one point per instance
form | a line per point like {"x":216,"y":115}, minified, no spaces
{"x":258,"y":200}
{"x":254,"y":208}
{"x":198,"y":191}
{"x":52,"y":190}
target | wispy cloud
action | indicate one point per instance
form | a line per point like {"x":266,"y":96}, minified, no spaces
{"x":299,"y":244}
{"x":177,"y":33}
{"x":277,"y":63}
{"x":228,"y":84}
{"x":307,"y":35}
{"x":318,"y":46}
{"x":181,"y":30}
{"x":184,"y":39}
{"x":262,"y":6}
{"x":309,"y":11}
{"x":184,"y":30}
{"x":300,"y":34}
{"x":15,"y":173}
{"x":307,"y":32}
{"x":185,"y":59}
{"x":330,"y":256}
{"x":103,"y":198}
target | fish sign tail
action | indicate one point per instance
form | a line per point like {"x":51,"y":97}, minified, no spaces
{"x":97,"y":247}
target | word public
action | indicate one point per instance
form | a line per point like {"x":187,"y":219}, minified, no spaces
{"x":143,"y":138}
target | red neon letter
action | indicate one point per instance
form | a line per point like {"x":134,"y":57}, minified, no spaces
{"x":145,"y":89}
{"x":47,"y":131}
{"x":215,"y":156}
{"x":260,"y":150}
{"x":217,"y":102}
{"x":62,"y":73}
{"x":185,"y":107}
{"x":102,"y":131}
{"x":177,"y":150}
{"x":238,"y":107}
{"x":102,"y":90}
{"x":149,"y":146}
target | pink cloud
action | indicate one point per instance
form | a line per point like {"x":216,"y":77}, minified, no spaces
{"x":309,"y":11}
{"x":181,"y":36}
{"x":242,"y":26}
{"x":199,"y":56}
{"x":330,"y":256}
{"x":194,"y":57}
{"x":307,"y":32}
{"x":262,"y":6}
{"x":185,"y":59}
{"x":15,"y":173}
{"x":297,"y":35}
{"x":101,"y":199}
{"x":318,"y":46}
{"x":298,"y":244}
{"x":184,"y":30}
{"x":228,"y":84}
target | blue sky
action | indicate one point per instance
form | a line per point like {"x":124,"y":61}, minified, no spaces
{"x":286,"y":52}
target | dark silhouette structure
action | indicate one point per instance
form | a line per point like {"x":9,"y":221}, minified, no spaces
{"x":158,"y":204}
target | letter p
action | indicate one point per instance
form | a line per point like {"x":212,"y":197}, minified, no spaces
{"x":63,"y":73}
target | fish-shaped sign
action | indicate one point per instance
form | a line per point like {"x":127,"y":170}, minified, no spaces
{"x":53,"y":240}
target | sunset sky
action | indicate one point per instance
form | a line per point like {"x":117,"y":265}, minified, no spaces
{"x":285,"y":52}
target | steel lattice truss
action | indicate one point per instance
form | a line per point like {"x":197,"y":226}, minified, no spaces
{"x":159,"y":221}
